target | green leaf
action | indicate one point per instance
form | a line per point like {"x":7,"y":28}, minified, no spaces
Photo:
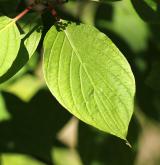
{"x":90,"y":77}
{"x":28,"y":84}
{"x":19,"y":159}
{"x":4,"y":114}
{"x":31,"y":26}
{"x":9,"y":43}
{"x":69,"y":156}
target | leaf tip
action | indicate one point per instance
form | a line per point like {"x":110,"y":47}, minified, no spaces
{"x":128,"y":144}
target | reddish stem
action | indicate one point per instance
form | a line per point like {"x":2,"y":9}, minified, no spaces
{"x":19,"y":16}
{"x":53,"y":12}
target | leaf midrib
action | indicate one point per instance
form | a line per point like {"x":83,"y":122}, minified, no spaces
{"x":8,"y":25}
{"x":82,"y":64}
{"x":79,"y":58}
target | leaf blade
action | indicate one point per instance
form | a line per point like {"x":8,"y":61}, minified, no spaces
{"x":9,"y":43}
{"x":75,"y":65}
{"x":31,"y":28}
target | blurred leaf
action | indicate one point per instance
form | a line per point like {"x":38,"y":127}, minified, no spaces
{"x":28,"y":84}
{"x":4,"y":115}
{"x":69,"y":156}
{"x":18,"y":159}
{"x":124,"y":22}
{"x":90,"y":77}
{"x":88,"y":12}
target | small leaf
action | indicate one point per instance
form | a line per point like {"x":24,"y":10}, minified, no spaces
{"x":31,"y":26}
{"x":9,"y":43}
{"x":90,"y":77}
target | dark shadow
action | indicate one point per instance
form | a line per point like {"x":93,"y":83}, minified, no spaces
{"x":33,"y":126}
{"x":101,"y":148}
{"x":146,"y":12}
{"x":21,"y":59}
{"x":60,"y":25}
{"x":148,"y":98}
{"x":8,"y":7}
{"x":104,"y":12}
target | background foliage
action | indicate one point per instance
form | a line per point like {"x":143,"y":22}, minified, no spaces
{"x":36,"y":130}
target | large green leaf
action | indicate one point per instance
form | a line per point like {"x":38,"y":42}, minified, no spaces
{"x":9,"y":43}
{"x":90,"y":77}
